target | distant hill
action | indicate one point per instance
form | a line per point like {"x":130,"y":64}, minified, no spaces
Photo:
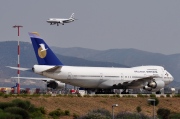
{"x":128,"y":57}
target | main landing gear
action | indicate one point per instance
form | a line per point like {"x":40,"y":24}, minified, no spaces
{"x":125,"y":91}
{"x":104,"y":91}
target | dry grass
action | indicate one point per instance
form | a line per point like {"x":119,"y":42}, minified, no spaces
{"x":81,"y":105}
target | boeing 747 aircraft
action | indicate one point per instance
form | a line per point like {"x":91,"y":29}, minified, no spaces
{"x":58,"y":21}
{"x":150,"y":78}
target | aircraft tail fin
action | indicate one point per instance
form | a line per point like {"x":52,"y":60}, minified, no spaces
{"x":72,"y":16}
{"x":44,"y":54}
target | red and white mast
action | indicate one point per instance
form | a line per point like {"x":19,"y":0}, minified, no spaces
{"x":18,"y":65}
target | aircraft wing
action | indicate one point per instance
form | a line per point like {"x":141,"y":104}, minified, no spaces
{"x":33,"y":78}
{"x":53,"y":69}
{"x":140,"y":80}
{"x":61,"y":21}
{"x":65,"y":21}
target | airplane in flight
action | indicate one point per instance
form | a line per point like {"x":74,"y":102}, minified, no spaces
{"x":58,"y":21}
{"x":151,"y":78}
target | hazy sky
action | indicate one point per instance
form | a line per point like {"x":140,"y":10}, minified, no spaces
{"x":149,"y":25}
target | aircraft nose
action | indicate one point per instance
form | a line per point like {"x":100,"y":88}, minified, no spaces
{"x":47,"y":21}
{"x":171,"y":78}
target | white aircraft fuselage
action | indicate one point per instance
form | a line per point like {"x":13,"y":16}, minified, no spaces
{"x":107,"y":77}
{"x":58,"y":21}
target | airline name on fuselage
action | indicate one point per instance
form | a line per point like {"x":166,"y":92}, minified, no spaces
{"x":136,"y":71}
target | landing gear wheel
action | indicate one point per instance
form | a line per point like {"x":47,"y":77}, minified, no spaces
{"x":158,"y":92}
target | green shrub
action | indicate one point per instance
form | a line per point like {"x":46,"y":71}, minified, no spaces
{"x":18,"y":111}
{"x":174,"y":116}
{"x":94,"y":116}
{"x":115,"y":95}
{"x":4,"y":105}
{"x":167,"y":95}
{"x":152,"y":95}
{"x":75,"y":116}
{"x":36,"y":95}
{"x":1,"y":93}
{"x":128,"y":96}
{"x":177,"y":95}
{"x":42,"y":110}
{"x":162,"y":96}
{"x":38,"y":113}
{"x":66,"y":112}
{"x":60,"y":95}
{"x":97,"y":114}
{"x":24,"y":95}
{"x":152,"y":102}
{"x":102,"y":111}
{"x":47,"y":95}
{"x":163,"y":113}
{"x":96,"y":95}
{"x":106,"y":96}
{"x":32,"y":108}
{"x":71,"y":95}
{"x":79,"y":95}
{"x":87,"y":95}
{"x":56,"y":113}
{"x":6,"y":96}
{"x":129,"y":115}
{"x":22,"y":104}
{"x":65,"y":95}
{"x":138,"y":108}
{"x":4,"y":115}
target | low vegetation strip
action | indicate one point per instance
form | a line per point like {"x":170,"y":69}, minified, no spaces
{"x":76,"y":106}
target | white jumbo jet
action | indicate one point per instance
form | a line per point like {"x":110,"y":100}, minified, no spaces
{"x":150,"y":78}
{"x":58,"y":21}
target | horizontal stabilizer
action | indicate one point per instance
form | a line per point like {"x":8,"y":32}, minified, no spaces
{"x":20,"y":68}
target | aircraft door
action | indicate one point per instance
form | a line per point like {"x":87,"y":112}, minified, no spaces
{"x":101,"y":76}
{"x":122,"y":77}
{"x":69,"y":75}
{"x":162,"y":75}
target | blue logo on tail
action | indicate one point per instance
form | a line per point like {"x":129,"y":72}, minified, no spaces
{"x":42,"y":51}
{"x":44,"y":54}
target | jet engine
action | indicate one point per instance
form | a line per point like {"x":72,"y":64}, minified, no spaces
{"x":154,"y":85}
{"x":55,"y":84}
